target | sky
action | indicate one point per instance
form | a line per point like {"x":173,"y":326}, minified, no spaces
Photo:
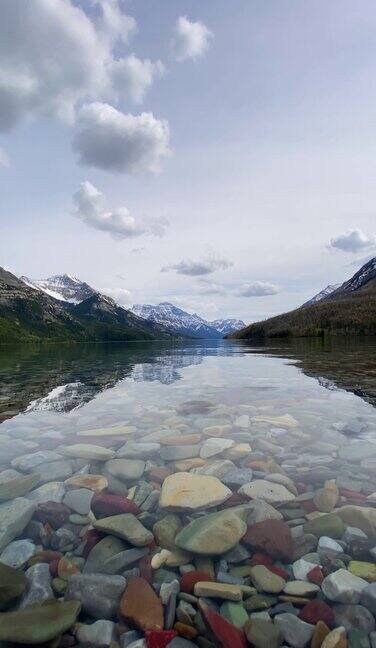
{"x":218,"y":155}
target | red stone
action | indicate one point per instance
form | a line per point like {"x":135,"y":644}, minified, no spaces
{"x":316,"y":611}
{"x":272,"y":537}
{"x":159,"y":638}
{"x":54,"y":567}
{"x":52,"y":513}
{"x":226,"y":634}
{"x":350,"y":494}
{"x":279,"y":572}
{"x":106,"y":504}
{"x":92,"y":538}
{"x":315,"y":575}
{"x":309,"y":506}
{"x":145,"y":568}
{"x":261,"y":559}
{"x":189,"y":580}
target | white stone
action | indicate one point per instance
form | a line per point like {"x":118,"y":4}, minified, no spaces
{"x":243,"y":422}
{"x":265,"y":490}
{"x":99,"y":634}
{"x":328,"y":543}
{"x":17,"y":553}
{"x":87,"y":451}
{"x":301,"y":568}
{"x":214,"y":446}
{"x":14,"y":517}
{"x":343,"y":587}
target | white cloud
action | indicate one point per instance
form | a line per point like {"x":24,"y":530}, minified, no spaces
{"x":121,"y":296}
{"x":354,"y":240}
{"x":190,"y":40}
{"x":199,"y":267}
{"x":258,"y":289}
{"x":90,"y":208}
{"x":131,"y":77}
{"x":206,"y":287}
{"x":111,"y":140}
{"x":4,"y":159}
{"x":54,"y":57}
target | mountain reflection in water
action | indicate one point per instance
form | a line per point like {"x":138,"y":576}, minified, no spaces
{"x":62,"y":378}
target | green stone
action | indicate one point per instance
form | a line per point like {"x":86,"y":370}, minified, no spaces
{"x":260,"y":602}
{"x":235,"y":613}
{"x":213,"y":534}
{"x":127,"y":527}
{"x":18,"y":486}
{"x":263,"y":634}
{"x":357,"y":639}
{"x":166,"y":529}
{"x":38,"y":623}
{"x":12,"y":585}
{"x":330,"y":525}
{"x":362,"y":569}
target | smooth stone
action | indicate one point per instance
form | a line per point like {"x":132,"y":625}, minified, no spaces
{"x":79,"y":500}
{"x":117,"y":564}
{"x":362,"y":517}
{"x":40,"y":623}
{"x":295,"y":632}
{"x":87,"y":451}
{"x":16,"y":486}
{"x":271,"y":493}
{"x":215,"y":468}
{"x":179,"y":452}
{"x":259,"y":510}
{"x":140,"y":606}
{"x":234,"y":613}
{"x":368,"y":597}
{"x":99,"y":634}
{"x":27,"y":462}
{"x":14,"y":517}
{"x":237,"y":476}
{"x":120,"y":430}
{"x":17,"y":553}
{"x":214,"y":446}
{"x":133,"y":450}
{"x":325,"y":499}
{"x":283,"y":421}
{"x":330,"y":525}
{"x":127,"y":527}
{"x":107,"y":504}
{"x":52,"y":513}
{"x":272,"y":537}
{"x":357,"y":451}
{"x":187,"y":492}
{"x":102,"y":551}
{"x":343,"y":587}
{"x":12,"y":585}
{"x":301,"y":568}
{"x":366,"y":570}
{"x":218,"y":590}
{"x":354,"y":617}
{"x":55,"y":471}
{"x":126,"y":469}
{"x":266,"y":581}
{"x":335,"y":639}
{"x":39,"y":585}
{"x":214,"y":533}
{"x":51,"y":492}
{"x":99,"y":594}
{"x":263,"y":633}
{"x":95,"y":483}
{"x":165,"y":530}
{"x":326,"y":543}
{"x":300,"y":588}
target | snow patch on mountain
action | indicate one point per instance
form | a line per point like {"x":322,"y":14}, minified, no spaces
{"x":322,"y":294}
{"x":63,"y":287}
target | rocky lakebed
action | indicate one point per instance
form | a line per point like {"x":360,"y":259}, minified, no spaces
{"x":217,"y":526}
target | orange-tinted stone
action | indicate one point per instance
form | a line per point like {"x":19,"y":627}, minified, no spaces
{"x":140,"y":606}
{"x":181,"y":439}
{"x":45,"y":556}
{"x":185,"y":630}
{"x":320,"y":632}
{"x":66,"y":568}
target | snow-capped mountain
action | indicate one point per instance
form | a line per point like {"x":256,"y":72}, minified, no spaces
{"x":63,"y":287}
{"x":191,"y":325}
{"x":366,"y":274}
{"x":322,"y":294}
{"x":227,"y":326}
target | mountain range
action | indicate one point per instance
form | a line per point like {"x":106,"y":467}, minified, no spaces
{"x":62,"y":307}
{"x":183,"y":323}
{"x":347,"y":309}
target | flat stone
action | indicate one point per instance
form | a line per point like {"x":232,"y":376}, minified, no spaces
{"x":225,"y":633}
{"x":14,"y":517}
{"x":99,"y":594}
{"x":38,"y":624}
{"x":300,"y":588}
{"x":325,"y":525}
{"x":238,"y":477}
{"x":99,"y":634}
{"x":87,"y":451}
{"x":343,"y":587}
{"x":102,"y":551}
{"x":133,"y":450}
{"x":51,"y":492}
{"x":187,"y":492}
{"x":218,"y":590}
{"x":27,"y":462}
{"x":179,"y":452}
{"x":140,"y":606}
{"x":118,"y":563}
{"x":54,"y":471}
{"x":263,"y":634}
{"x":95,"y":483}
{"x":17,"y":553}
{"x":165,"y":530}
{"x":266,"y":581}
{"x":215,"y":468}
{"x":12,"y":585}
{"x":295,"y":632}
{"x":39,"y":585}
{"x":214,"y":446}
{"x":16,"y":486}
{"x":126,"y":469}
{"x":265,"y":490}
{"x":214,"y":533}
{"x":79,"y":500}
{"x":126,"y":526}
{"x":117,"y":431}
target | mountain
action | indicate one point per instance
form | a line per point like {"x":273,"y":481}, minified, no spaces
{"x":178,"y":320}
{"x":63,"y":287}
{"x":348,"y":310}
{"x":227,"y":326}
{"x":27,"y":315}
{"x":322,"y":294}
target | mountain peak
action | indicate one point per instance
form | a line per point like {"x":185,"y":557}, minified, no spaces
{"x":63,"y":287}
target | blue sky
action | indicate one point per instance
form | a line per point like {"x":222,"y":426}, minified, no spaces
{"x":250,"y":183}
